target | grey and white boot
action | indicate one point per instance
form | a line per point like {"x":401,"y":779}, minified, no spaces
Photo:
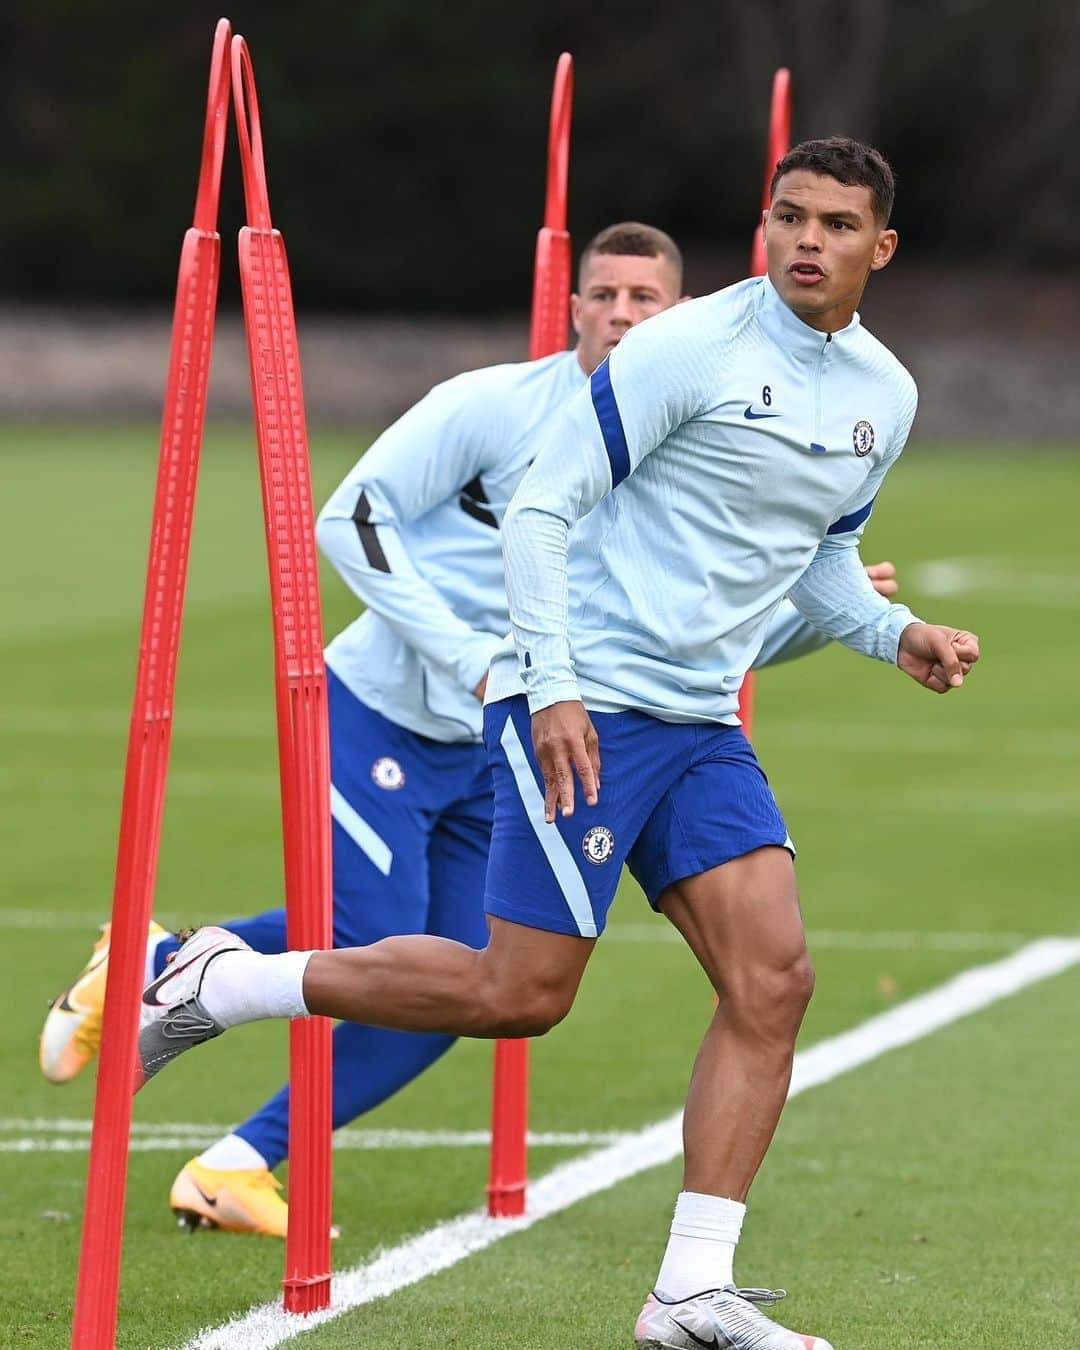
{"x":718,"y":1319}
{"x":173,"y":1019}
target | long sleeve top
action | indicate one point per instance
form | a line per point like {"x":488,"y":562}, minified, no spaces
{"x":725,"y":456}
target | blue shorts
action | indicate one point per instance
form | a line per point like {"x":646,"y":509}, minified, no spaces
{"x":411,"y":828}
{"x":675,"y":799}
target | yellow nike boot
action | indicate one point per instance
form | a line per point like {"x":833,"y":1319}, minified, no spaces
{"x":247,"y":1200}
{"x":71,"y":1035}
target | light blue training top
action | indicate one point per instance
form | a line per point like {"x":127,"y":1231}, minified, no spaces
{"x":414,"y":530}
{"x":724,"y":456}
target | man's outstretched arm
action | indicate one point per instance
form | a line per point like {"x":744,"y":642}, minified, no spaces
{"x":790,"y":636}
{"x":836,"y":596}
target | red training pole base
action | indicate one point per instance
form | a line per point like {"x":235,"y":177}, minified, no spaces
{"x":506,"y":1201}
{"x":510,"y":1115}
{"x":306,"y":1294}
{"x":308,"y":1272}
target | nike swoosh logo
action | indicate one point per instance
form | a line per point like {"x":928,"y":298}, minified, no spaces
{"x":170,"y":973}
{"x":65,"y":1004}
{"x":752,"y":416}
{"x":712,"y":1344}
{"x":211,"y":1203}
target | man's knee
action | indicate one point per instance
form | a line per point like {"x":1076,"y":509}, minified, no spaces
{"x":772,"y":999}
{"x":529,"y":978}
{"x":528,"y":1007}
{"x":532,"y":1009}
{"x":800,"y":981}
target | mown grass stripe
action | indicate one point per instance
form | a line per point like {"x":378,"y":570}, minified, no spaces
{"x":844,"y":939}
{"x":437,"y":1249}
{"x":41,"y":1136}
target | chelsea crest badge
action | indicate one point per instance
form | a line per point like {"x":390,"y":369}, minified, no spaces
{"x":862,"y":438}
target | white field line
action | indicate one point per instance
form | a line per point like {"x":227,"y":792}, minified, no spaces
{"x":73,"y":1136}
{"x":89,"y":922}
{"x":1039,"y":804}
{"x":998,"y":581}
{"x":57,"y":920}
{"x":232,"y":784}
{"x":184,"y":783}
{"x":109,"y":721}
{"x":448,"y":1243}
{"x":842,"y":939}
{"x":916,"y":738}
{"x":897,"y":736}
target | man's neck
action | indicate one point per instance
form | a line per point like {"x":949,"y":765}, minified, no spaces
{"x":831,"y":321}
{"x":837,"y":316}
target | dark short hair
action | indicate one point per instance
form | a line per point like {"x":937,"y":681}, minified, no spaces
{"x":631,"y":239}
{"x":849,"y":162}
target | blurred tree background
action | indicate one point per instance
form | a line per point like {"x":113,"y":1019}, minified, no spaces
{"x":405,"y":139}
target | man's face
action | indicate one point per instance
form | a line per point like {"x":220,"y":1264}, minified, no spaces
{"x":823,"y":240}
{"x":617,"y":292}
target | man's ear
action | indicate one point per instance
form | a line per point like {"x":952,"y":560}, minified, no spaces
{"x":575,"y":312}
{"x":888,"y":241}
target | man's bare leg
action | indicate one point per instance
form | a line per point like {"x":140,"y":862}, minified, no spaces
{"x":521,"y":984}
{"x":742,"y":921}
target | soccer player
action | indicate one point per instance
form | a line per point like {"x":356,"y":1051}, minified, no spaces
{"x":728,"y":453}
{"x":414,"y":530}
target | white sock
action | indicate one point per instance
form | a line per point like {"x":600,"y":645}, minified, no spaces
{"x":248,"y":986}
{"x":232,"y":1154}
{"x":701,"y":1249}
{"x":152,"y":944}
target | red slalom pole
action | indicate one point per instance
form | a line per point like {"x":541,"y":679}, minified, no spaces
{"x":779,"y":144}
{"x":300,"y":688}
{"x":508,"y":1175}
{"x":94,"y":1324}
{"x":551,"y":270}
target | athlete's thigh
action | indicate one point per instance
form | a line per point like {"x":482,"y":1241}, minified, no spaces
{"x":741,"y":919}
{"x":720,"y":809}
{"x":457,"y":864}
{"x":525,"y":964}
{"x":381,"y":789}
{"x":562,"y":877}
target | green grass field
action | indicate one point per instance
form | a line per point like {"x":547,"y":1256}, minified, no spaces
{"x":924,"y":1200}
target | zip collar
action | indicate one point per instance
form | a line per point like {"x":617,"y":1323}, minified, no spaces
{"x":789,"y":332}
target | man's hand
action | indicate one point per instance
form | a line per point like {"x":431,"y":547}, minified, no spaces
{"x":481,"y":688}
{"x":883,"y":577}
{"x":565,"y":741}
{"x":937,"y":657}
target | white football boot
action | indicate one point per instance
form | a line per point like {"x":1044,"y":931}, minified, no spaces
{"x":173,"y":1017}
{"x":719,"y":1319}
